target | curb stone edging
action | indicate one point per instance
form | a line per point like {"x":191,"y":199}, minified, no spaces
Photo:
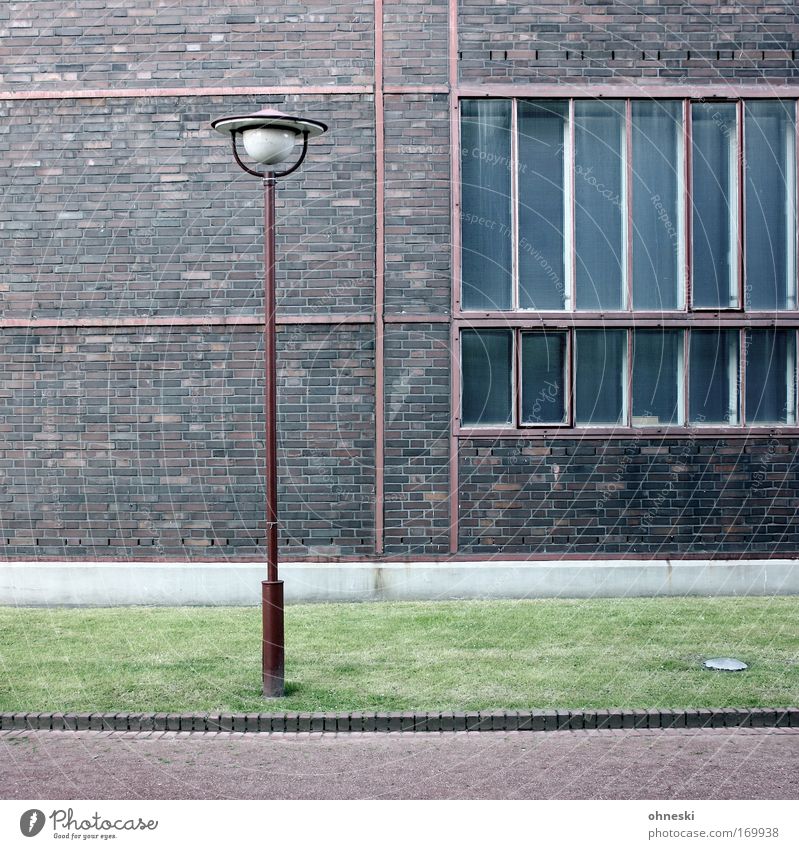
{"x":405,"y":722}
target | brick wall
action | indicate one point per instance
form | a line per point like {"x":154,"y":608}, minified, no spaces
{"x":665,"y":497}
{"x":133,"y":206}
{"x":417,"y":205}
{"x":415,"y":38}
{"x":326,"y":425}
{"x":150,"y":443}
{"x":144,"y":442}
{"x":417,"y":425}
{"x":48,"y":44}
{"x":610,"y":41}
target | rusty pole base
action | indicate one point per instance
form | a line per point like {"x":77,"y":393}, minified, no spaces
{"x":273,"y":639}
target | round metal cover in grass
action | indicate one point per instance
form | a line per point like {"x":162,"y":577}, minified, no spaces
{"x":725,"y":664}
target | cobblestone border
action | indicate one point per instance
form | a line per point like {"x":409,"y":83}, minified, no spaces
{"x":502,"y":720}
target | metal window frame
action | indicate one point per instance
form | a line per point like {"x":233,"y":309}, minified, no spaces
{"x":792,"y":293}
{"x":568,"y":415}
{"x":515,"y":383}
{"x":569,"y":319}
{"x":791,"y":376}
{"x":737,"y":378}
{"x":680,"y":366}
{"x":625,"y":379}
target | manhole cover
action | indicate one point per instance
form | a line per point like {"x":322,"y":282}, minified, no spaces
{"x":726,"y":664}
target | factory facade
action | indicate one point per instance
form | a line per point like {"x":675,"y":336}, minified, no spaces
{"x":537,"y":283}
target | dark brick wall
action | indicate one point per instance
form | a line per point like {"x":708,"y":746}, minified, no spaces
{"x":417,"y":207}
{"x":610,"y":41}
{"x":134,"y":207}
{"x":664,"y":497}
{"x":150,"y":443}
{"x":129,"y":207}
{"x":327,"y":427}
{"x":50,"y":44}
{"x":415,"y":38}
{"x":417,"y":423}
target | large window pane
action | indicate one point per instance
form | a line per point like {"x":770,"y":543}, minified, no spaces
{"x":543,"y":378}
{"x":714,"y":198}
{"x":486,"y":238}
{"x":599,"y":190}
{"x":713,"y":386}
{"x":657,"y":377}
{"x":542,"y":270}
{"x":770,"y":376}
{"x":770,"y":192}
{"x":657,"y":236}
{"x":486,"y":368}
{"x":600,"y":377}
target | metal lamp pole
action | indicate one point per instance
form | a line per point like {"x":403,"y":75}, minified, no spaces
{"x":269,"y":138}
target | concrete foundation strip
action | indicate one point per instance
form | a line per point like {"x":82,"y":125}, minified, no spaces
{"x":500,"y":720}
{"x":100,"y":584}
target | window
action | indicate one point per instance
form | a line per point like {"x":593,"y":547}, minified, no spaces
{"x":627,"y":264}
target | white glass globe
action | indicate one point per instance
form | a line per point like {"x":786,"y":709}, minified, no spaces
{"x":269,"y":145}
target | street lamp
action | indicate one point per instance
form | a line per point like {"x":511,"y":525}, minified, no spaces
{"x":269,"y":138}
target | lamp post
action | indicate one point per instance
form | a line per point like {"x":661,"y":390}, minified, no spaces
{"x":269,"y":138}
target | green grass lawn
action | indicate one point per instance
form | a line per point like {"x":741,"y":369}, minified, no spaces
{"x":404,"y":656}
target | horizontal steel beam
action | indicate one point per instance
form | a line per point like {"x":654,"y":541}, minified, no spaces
{"x":183,"y":91}
{"x":254,"y":321}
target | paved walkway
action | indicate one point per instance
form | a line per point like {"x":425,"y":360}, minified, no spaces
{"x":659,"y":764}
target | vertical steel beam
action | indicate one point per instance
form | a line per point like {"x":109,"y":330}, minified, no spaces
{"x":739,"y":215}
{"x":380,"y":264}
{"x":628,"y":163}
{"x":455,"y":277}
{"x":689,"y":206}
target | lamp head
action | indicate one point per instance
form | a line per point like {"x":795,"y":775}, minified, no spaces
{"x":268,"y":135}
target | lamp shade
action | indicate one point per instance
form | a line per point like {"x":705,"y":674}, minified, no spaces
{"x":271,"y":119}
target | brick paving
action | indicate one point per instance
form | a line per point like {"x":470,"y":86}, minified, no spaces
{"x":744,"y":763}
